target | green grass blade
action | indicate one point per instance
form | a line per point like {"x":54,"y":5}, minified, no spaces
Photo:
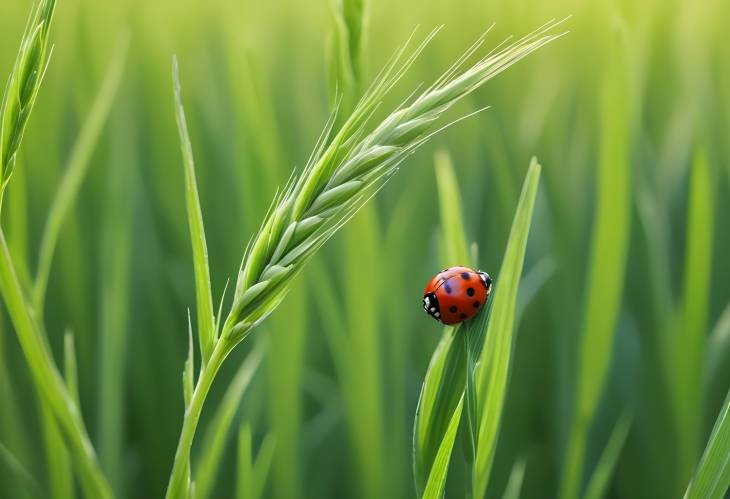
{"x":492,"y":372}
{"x":70,"y":367}
{"x":601,"y":477}
{"x":718,"y":347}
{"x":216,"y":436}
{"x":244,"y":476}
{"x":454,"y":241}
{"x":712,"y":476}
{"x":58,"y":461}
{"x":115,"y":295}
{"x":607,"y":265}
{"x":76,"y":169}
{"x":516,"y":477}
{"x":23,"y":478}
{"x":689,"y":355}
{"x":48,"y":380}
{"x":203,"y":293}
{"x":436,"y":483}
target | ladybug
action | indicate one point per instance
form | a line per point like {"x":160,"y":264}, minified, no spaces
{"x":456,"y":294}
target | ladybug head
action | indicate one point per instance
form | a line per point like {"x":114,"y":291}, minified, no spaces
{"x":486,"y":280}
{"x":431,"y":305}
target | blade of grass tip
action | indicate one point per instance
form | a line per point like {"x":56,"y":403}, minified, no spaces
{"x":23,"y":477}
{"x":217,"y":434}
{"x":516,"y":477}
{"x":689,"y":354}
{"x":712,"y":476}
{"x":436,"y":483}
{"x":607,"y":266}
{"x":492,"y":371}
{"x":115,"y":258}
{"x":77,"y":167}
{"x":601,"y":477}
{"x":203,"y":295}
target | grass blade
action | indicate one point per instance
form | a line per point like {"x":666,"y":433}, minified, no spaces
{"x":218,"y":430}
{"x":23,"y":477}
{"x":436,"y":483}
{"x":492,"y":371}
{"x":76,"y":169}
{"x":203,"y":293}
{"x":252,"y":475}
{"x":601,"y":478}
{"x":454,"y":241}
{"x":689,"y":353}
{"x":607,"y":265}
{"x":516,"y":477}
{"x":712,"y":476}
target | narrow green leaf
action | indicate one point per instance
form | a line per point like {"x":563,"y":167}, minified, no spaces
{"x":718,"y":347}
{"x":203,"y":294}
{"x":516,"y":477}
{"x":607,"y":265}
{"x":601,"y":478}
{"x":58,"y":462}
{"x":77,"y":167}
{"x":218,"y":430}
{"x":453,"y":239}
{"x":70,"y":368}
{"x":689,"y":355}
{"x":436,"y":483}
{"x":262,"y":466}
{"x":492,"y":371}
{"x":188,"y":372}
{"x":244,"y":477}
{"x":712,"y":476}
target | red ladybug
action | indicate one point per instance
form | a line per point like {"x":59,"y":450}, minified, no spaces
{"x":456,"y":294}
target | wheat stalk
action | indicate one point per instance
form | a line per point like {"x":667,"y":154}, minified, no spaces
{"x":345,"y":170}
{"x":342,"y":176}
{"x":23,"y":85}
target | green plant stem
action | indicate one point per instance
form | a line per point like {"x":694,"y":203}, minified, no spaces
{"x":49,"y":381}
{"x":208,"y":373}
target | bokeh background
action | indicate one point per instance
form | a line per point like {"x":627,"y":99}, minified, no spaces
{"x":348,"y":349}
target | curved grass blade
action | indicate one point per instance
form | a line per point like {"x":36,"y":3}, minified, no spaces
{"x":218,"y":429}
{"x":253,"y":474}
{"x":203,"y":294}
{"x":24,"y":479}
{"x":436,"y":483}
{"x":601,"y":478}
{"x":492,"y":371}
{"x":607,"y":265}
{"x":712,"y":476}
{"x":76,"y":169}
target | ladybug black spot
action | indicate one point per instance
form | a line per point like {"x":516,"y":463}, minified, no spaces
{"x":463,"y":316}
{"x":465,"y":276}
{"x":452,"y":309}
{"x":470,"y":291}
{"x":476,"y":304}
{"x":447,"y":288}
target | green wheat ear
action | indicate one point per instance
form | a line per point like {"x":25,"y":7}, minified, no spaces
{"x":23,"y":85}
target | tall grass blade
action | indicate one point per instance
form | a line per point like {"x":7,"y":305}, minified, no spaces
{"x":216,"y":437}
{"x":76,"y":168}
{"x":492,"y":370}
{"x":252,"y":473}
{"x":607,"y":265}
{"x":712,"y":477}
{"x":689,"y":355}
{"x":601,"y":478}
{"x":23,"y":478}
{"x":436,"y":483}
{"x":203,"y":293}
{"x":115,"y":283}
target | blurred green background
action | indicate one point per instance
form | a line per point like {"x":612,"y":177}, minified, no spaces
{"x":348,"y":349}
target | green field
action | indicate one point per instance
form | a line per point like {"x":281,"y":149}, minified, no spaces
{"x":601,"y":368}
